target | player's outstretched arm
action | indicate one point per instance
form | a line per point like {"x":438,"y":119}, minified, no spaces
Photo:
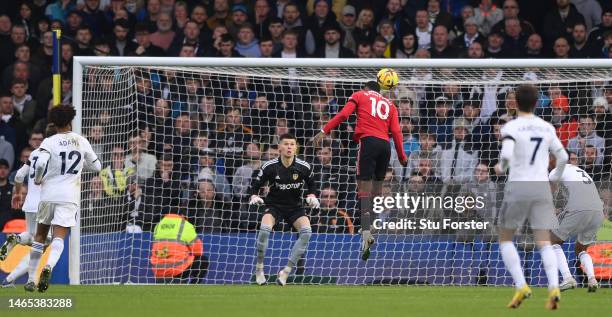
{"x":91,"y":158}
{"x":41,"y":165}
{"x":340,"y":117}
{"x":562,"y":158}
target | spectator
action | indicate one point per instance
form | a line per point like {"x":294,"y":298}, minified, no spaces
{"x":573,"y":158}
{"x":332,"y":48}
{"x":427,"y":150}
{"x":379,"y":47}
{"x":405,"y":47}
{"x":596,"y":35}
{"x":181,"y":16}
{"x":423,"y":29}
{"x":116,"y":176}
{"x":515,"y":39}
{"x":603,"y":119}
{"x":6,"y":190}
{"x":560,"y":21}
{"x":565,"y":125}
{"x":164,"y":35}
{"x":239,"y":18}
{"x":441,"y":47}
{"x":330,"y":218}
{"x":470,"y":36}
{"x":149,"y":14}
{"x":199,"y":16}
{"x":59,"y":9}
{"x":74,"y":21}
{"x":266,"y":47}
{"x":242,"y":177}
{"x":227,"y":47}
{"x":232,"y":138}
{"x":561,"y":48}
{"x":411,"y":145}
{"x":120,"y":41}
{"x":205,"y":209}
{"x":534,"y":47}
{"x":207,"y":171}
{"x":364,"y":31}
{"x":467,"y":11}
{"x":276,"y":30}
{"x":476,"y":50}
{"x":592,"y":165}
{"x":221,"y":14}
{"x":487,"y":14}
{"x":23,"y":102}
{"x":347,"y":24}
{"x":364,"y":50}
{"x":143,"y":163}
{"x":7,"y":152}
{"x":437,"y":16}
{"x":457,"y":164}
{"x":587,"y":136}
{"x":160,"y":193}
{"x":191,"y":36}
{"x":292,"y":21}
{"x":581,"y":47}
{"x":93,"y":17}
{"x":495,"y":42}
{"x":316,"y":24}
{"x":145,"y":47}
{"x":511,"y":10}
{"x":263,"y":16}
{"x":590,"y":10}
{"x":11,"y":126}
{"x":248,"y":45}
{"x":290,"y":43}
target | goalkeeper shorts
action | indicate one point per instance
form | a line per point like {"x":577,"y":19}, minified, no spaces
{"x":580,"y":224}
{"x":57,"y":213}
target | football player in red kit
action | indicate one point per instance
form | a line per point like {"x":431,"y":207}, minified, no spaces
{"x":377,"y":116}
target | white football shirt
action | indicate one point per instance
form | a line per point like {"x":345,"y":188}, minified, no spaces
{"x":62,"y":179}
{"x":33,"y":197}
{"x":583,"y":194}
{"x":534,"y":139}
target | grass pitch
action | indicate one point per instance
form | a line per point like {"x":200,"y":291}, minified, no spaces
{"x":307,"y":301}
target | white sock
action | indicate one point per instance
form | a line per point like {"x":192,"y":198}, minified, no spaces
{"x":35,"y":254}
{"x":549,"y":261}
{"x":562,"y":262}
{"x":19,"y":270}
{"x":587,"y":264}
{"x":513,"y":262}
{"x":57,"y":247}
{"x":25,"y":238}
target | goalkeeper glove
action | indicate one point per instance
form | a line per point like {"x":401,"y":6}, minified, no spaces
{"x":312,"y":201}
{"x":256,"y":200}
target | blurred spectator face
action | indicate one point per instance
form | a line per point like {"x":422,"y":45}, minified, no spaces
{"x":67,"y":52}
{"x":318,"y":104}
{"x":180,"y":12}
{"x":471,"y":29}
{"x":606,"y":20}
{"x":166,"y":167}
{"x":136,"y":144}
{"x":466,"y":12}
{"x":405,"y":107}
{"x":366,"y":17}
{"x":590,"y":155}
{"x":206,"y":191}
{"x":239,"y":17}
{"x":23,"y":53}
{"x":183,"y":125}
{"x":510,"y":101}
{"x":226,"y":48}
{"x":406,"y":126}
{"x":187,"y":51}
{"x":66,"y":85}
{"x":121,"y":14}
{"x":364,"y":51}
{"x":92,"y":5}
{"x":379,"y":48}
{"x":495,"y":41}
{"x":83,"y":36}
{"x":266,"y":48}
{"x":120,"y":33}
{"x":442,"y":109}
{"x":470,"y":112}
{"x":460,"y":133}
{"x":233,"y":119}
{"x":18,"y":34}
{"x":21,"y":71}
{"x":246,"y":35}
{"x":422,"y":19}
{"x":95,"y":134}
{"x":4,"y":172}
{"x":321,"y":9}
{"x":386,"y":29}
{"x":513,"y":27}
{"x":35,"y":140}
{"x":74,"y":20}
{"x":117,"y":157}
{"x":48,"y":39}
{"x":5,"y":24}
{"x":427,"y":141}
{"x":281,"y":127}
{"x":562,"y":4}
{"x":271,"y":153}
{"x":433,"y":6}
{"x":510,"y":9}
{"x":324,"y":155}
{"x":475,"y":50}
{"x":329,"y":199}
{"x":481,"y":173}
{"x":253,"y":152}
{"x":218,"y":31}
{"x":161,"y":109}
{"x":117,"y":5}
{"x":25,"y":154}
{"x":192,"y":32}
{"x":164,"y":22}
{"x":143,"y":39}
{"x":561,"y":47}
{"x":422,"y":53}
{"x":192,"y":86}
{"x":102,"y":49}
{"x":43,"y":26}
{"x":534,"y":42}
{"x":200,"y":142}
{"x":262,"y":9}
{"x":573,"y":158}
{"x":143,"y":85}
{"x":198,"y":15}
{"x":221,"y":6}
{"x":497,"y":130}
{"x":416,"y":184}
{"x":440,"y":36}
{"x":56,"y":24}
{"x":579,"y":34}
{"x":289,"y":42}
{"x":96,"y":185}
{"x":276,"y":30}
{"x":261,"y":103}
{"x":207,"y":105}
{"x":586,"y":126}
{"x":424,"y":167}
{"x":18,"y":90}
{"x":348,"y":19}
{"x":25,"y":11}
{"x":291,"y":14}
{"x":394,"y":6}
{"x":153,"y":7}
{"x":331,"y":36}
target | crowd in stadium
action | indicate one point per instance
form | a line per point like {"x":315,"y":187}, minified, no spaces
{"x":200,"y":139}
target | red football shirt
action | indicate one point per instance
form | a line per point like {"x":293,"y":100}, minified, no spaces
{"x":376,"y":117}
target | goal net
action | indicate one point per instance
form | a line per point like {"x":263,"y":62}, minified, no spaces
{"x":187,"y":139}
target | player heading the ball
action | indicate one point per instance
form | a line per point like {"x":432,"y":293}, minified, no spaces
{"x":377,"y":116}
{"x":526,"y":144}
{"x":286,"y":177}
{"x":58,"y":171}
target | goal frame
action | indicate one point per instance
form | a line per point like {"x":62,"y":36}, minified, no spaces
{"x":80,"y":62}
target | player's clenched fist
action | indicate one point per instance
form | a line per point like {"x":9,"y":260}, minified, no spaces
{"x":256,"y":200}
{"x":312,"y":201}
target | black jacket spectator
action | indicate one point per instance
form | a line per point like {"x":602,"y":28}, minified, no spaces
{"x":555,"y":26}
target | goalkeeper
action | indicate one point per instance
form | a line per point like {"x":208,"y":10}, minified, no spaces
{"x":286,"y":177}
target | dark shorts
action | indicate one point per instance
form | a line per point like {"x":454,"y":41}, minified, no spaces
{"x":373,"y":158}
{"x":289,"y":214}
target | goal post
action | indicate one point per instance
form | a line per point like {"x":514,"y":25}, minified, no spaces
{"x":175,"y":105}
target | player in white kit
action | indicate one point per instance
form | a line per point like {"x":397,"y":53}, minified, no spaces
{"x":29,"y":207}
{"x":526,"y":143}
{"x":580,"y":217}
{"x":58,"y":170}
